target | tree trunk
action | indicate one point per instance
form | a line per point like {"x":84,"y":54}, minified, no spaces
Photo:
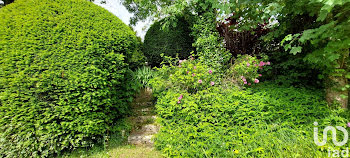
{"x":334,"y":92}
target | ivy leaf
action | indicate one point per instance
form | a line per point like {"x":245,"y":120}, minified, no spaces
{"x":295,"y":50}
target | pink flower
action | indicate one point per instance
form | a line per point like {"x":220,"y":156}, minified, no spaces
{"x":180,"y":61}
{"x":199,"y":81}
{"x":193,"y":74}
{"x":268,"y":63}
{"x":181,"y":96}
{"x":260,"y":75}
{"x":255,"y":65}
{"x":195,"y":67}
{"x":249,"y":84}
{"x":248,"y":64}
{"x":256,"y":81}
{"x":244,"y":79}
{"x":179,"y":102}
{"x":261,"y":63}
{"x":187,"y":72}
{"x":349,"y":124}
{"x":245,"y":82}
{"x":210,"y":71}
{"x":212,"y":83}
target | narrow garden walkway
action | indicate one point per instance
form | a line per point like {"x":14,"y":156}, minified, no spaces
{"x":144,"y":128}
{"x":143,"y":120}
{"x":139,"y":143}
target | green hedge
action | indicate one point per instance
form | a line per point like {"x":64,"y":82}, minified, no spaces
{"x":63,"y":67}
{"x":169,"y":41}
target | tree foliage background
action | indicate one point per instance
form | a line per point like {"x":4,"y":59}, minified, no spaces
{"x":171,"y":41}
{"x":322,"y":33}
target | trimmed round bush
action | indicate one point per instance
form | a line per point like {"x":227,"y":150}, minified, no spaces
{"x":63,"y":68}
{"x":170,"y":41}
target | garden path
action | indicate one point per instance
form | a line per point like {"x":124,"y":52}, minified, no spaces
{"x":143,"y":119}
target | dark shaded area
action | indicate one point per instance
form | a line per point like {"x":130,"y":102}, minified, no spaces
{"x":169,"y":41}
{"x":241,"y":42}
{"x":6,"y":2}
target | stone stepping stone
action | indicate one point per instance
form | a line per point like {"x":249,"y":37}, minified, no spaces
{"x":144,"y":135}
{"x":141,"y":140}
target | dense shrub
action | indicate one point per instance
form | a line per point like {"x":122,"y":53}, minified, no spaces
{"x":169,"y":41}
{"x":289,"y":69}
{"x":267,"y":121}
{"x":183,"y":75}
{"x":247,"y":69}
{"x":209,"y":45}
{"x":220,"y":120}
{"x":63,"y":69}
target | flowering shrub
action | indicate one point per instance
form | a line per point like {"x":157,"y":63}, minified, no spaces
{"x":184,"y":75}
{"x":245,"y":70}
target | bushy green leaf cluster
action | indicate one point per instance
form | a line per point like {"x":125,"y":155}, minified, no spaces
{"x":267,"y":121}
{"x":64,"y":77}
{"x":142,"y":76}
{"x":222,"y":120}
{"x":291,"y":70}
{"x":209,"y":45}
{"x":169,"y":41}
{"x":246,"y":69}
{"x":183,"y":75}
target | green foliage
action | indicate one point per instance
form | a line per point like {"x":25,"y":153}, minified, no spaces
{"x":104,"y":149}
{"x":144,"y":9}
{"x":245,"y":69}
{"x":291,"y":70}
{"x":63,"y":75}
{"x":267,"y":121}
{"x":143,"y":75}
{"x":208,"y":44}
{"x":209,"y":47}
{"x":184,"y":75}
{"x":318,"y":28}
{"x":223,"y":121}
{"x":169,"y":41}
